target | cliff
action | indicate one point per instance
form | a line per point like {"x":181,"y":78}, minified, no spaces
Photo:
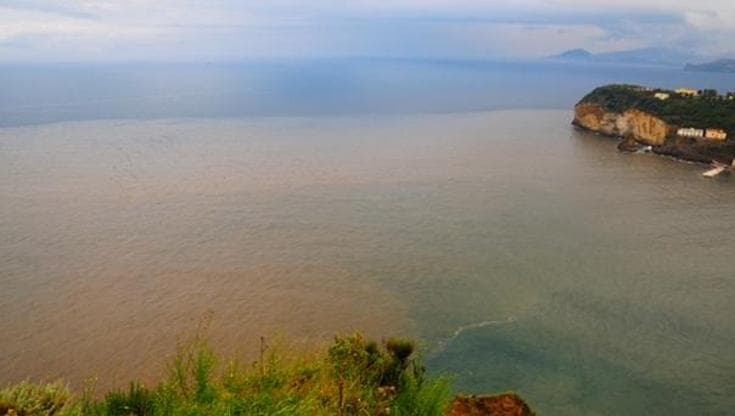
{"x":635,"y":114}
{"x":643,"y":127}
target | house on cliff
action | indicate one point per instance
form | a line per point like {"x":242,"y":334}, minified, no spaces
{"x":690,"y":132}
{"x":715,"y":134}
{"x":709,"y":134}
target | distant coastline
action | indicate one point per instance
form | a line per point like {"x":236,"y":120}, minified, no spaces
{"x":721,"y":65}
{"x":642,"y":56}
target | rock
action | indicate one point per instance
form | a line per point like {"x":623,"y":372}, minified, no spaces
{"x":628,"y":144}
{"x":641,"y":126}
{"x":501,"y":405}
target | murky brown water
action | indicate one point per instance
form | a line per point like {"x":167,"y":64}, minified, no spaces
{"x":526,"y":255}
{"x":119,"y":237}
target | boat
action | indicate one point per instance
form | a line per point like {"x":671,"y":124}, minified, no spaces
{"x":718,"y":168}
{"x":714,"y":172}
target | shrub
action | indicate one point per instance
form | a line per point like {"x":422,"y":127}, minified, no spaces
{"x":35,"y":399}
{"x":400,"y":349}
{"x":136,"y":401}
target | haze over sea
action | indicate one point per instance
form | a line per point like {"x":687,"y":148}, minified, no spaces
{"x":448,"y":200}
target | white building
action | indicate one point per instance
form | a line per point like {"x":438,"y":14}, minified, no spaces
{"x":687,"y":92}
{"x":690,"y":132}
{"x":662,"y":96}
{"x":715,"y":134}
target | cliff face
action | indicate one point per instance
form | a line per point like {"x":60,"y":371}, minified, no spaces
{"x":643,"y":127}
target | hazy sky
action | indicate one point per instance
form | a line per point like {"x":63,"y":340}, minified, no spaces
{"x":216,"y":30}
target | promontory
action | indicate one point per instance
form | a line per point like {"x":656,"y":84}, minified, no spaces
{"x":689,"y":124}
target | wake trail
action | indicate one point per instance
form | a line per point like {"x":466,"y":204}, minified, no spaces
{"x":476,"y":325}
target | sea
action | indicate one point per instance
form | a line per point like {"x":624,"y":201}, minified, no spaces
{"x":450,"y":201}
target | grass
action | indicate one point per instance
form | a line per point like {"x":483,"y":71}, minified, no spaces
{"x":33,"y":399}
{"x":353,"y":376}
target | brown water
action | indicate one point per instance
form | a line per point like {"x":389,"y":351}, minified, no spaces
{"x":525,"y":254}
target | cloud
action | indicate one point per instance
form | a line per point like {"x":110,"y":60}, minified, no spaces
{"x":108,"y":30}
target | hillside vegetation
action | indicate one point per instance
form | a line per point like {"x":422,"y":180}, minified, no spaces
{"x":708,"y":110}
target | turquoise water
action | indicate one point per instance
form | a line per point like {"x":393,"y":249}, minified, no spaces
{"x":524,"y":254}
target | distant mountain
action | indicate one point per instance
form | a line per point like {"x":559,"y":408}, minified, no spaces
{"x":720,"y":65}
{"x":649,"y":56}
{"x":574,"y":54}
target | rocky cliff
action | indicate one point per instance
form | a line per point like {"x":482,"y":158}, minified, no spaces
{"x":641,"y":126}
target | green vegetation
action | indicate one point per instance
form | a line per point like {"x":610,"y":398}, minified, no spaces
{"x":353,"y":377}
{"x":32,"y":399}
{"x":707,"y":110}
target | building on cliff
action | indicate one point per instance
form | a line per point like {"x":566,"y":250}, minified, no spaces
{"x":687,"y":92}
{"x":690,"y":132}
{"x":715,"y":134}
{"x":663,"y":96}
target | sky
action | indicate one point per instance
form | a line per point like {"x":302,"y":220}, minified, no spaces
{"x":230,"y":30}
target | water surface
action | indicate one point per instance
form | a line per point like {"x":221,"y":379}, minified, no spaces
{"x":526,"y":255}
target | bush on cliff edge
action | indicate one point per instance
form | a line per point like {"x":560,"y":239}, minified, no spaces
{"x":353,"y":377}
